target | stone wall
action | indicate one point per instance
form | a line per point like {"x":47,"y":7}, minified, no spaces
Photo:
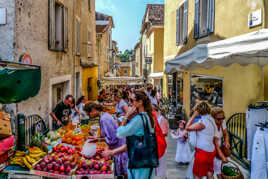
{"x":31,"y":32}
{"x":7,"y":31}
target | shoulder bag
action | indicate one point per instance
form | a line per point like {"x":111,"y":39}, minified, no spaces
{"x":142,"y":150}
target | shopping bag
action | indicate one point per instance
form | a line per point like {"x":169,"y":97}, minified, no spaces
{"x":89,"y":149}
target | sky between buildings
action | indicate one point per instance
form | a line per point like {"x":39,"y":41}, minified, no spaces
{"x":127,"y":15}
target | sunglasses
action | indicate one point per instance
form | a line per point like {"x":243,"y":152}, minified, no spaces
{"x":131,"y":100}
{"x":220,"y":119}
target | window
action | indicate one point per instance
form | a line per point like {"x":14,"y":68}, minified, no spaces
{"x":125,"y":72}
{"x":77,"y":34}
{"x":204,"y":18}
{"x":182,"y":24}
{"x":58,"y":27}
{"x":89,"y":45}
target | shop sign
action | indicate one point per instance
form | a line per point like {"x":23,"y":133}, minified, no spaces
{"x":255,"y":18}
{"x":26,"y":59}
{"x":148,"y":60}
{"x":3,"y":16}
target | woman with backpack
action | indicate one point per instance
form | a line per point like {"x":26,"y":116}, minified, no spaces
{"x":141,"y":138}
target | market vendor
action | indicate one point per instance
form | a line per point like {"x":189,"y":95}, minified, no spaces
{"x":61,"y":114}
{"x":108,"y":128}
{"x":121,"y":103}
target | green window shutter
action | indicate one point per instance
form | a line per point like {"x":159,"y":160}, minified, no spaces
{"x":196,"y":19}
{"x":51,"y":24}
{"x":210,"y":15}
{"x":185,"y":21}
{"x":65,"y":29}
{"x":178,"y":27}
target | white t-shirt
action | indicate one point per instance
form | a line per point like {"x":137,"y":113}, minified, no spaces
{"x":219,"y":133}
{"x":205,"y":137}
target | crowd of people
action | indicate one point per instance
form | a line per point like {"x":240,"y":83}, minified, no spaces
{"x":136,"y":134}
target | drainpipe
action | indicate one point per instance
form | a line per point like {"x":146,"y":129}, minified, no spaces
{"x":264,"y":13}
{"x":73,"y":47}
{"x":98,"y":42}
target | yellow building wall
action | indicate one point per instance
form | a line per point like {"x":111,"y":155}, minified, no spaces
{"x":242,"y":85}
{"x":122,"y":69}
{"x":91,"y":73}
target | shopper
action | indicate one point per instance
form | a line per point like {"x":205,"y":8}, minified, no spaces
{"x":80,"y":105}
{"x":206,"y":136}
{"x":153,"y":97}
{"x":108,"y":130}
{"x":161,"y":170}
{"x":183,"y":153}
{"x":218,"y":114}
{"x":75,"y":114}
{"x":135,"y":128}
{"x":61,"y":113}
{"x":121,"y":103}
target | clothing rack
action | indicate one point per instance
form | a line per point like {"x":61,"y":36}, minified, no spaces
{"x":259,"y":105}
{"x":262,"y":125}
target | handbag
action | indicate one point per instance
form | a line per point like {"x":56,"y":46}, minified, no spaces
{"x":142,"y":150}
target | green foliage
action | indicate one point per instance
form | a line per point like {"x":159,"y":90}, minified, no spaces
{"x":124,"y":57}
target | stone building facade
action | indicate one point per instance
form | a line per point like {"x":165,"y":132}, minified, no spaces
{"x":53,"y":33}
{"x":104,"y":26}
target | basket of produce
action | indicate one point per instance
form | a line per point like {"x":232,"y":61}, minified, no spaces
{"x":231,"y":171}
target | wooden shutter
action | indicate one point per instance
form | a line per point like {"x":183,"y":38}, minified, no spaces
{"x":185,"y":21}
{"x":196,"y":19}
{"x":65,"y":29}
{"x":88,"y":44}
{"x":178,"y":27}
{"x":51,"y":24}
{"x":210,"y":15}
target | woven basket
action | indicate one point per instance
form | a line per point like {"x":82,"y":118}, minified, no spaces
{"x":237,"y":170}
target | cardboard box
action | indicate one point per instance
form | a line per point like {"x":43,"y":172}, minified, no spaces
{"x":5,"y":128}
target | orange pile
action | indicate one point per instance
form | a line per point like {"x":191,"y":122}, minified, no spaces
{"x":73,"y":139}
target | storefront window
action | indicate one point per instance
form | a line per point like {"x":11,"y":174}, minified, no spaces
{"x":206,"y":88}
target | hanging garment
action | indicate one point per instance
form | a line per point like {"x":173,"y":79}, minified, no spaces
{"x":259,"y":150}
{"x":254,"y":116}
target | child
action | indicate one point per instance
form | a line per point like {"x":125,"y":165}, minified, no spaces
{"x":183,"y":153}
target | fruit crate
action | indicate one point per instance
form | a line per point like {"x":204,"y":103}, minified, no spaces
{"x":95,"y":176}
{"x":50,"y":175}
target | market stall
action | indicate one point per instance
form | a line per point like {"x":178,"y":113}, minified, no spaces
{"x":70,"y":152}
{"x":32,"y":151}
{"x":121,"y":81}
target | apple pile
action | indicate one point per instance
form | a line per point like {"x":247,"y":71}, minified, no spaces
{"x":61,"y":161}
{"x":94,"y":165}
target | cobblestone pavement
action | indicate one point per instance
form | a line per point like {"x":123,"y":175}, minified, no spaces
{"x":174,"y":171}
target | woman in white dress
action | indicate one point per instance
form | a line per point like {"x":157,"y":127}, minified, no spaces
{"x":183,"y":153}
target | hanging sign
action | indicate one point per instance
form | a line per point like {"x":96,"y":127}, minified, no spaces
{"x":255,"y":18}
{"x":26,"y":58}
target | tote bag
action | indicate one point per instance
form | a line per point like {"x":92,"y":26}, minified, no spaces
{"x":142,"y":150}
